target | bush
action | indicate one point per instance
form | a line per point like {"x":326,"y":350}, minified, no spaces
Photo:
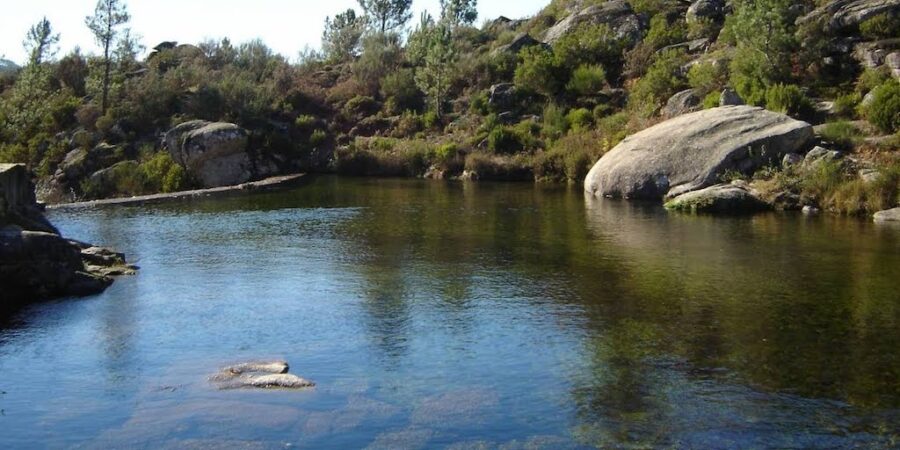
{"x":586,"y":81}
{"x":884,"y":109}
{"x":712,"y":100}
{"x":317,"y":138}
{"x":845,"y":105}
{"x":589,"y":45}
{"x":663,"y":33}
{"x":539,"y":71}
{"x":659,"y":83}
{"x":160,"y":173}
{"x":570,"y":158}
{"x":871,"y":78}
{"x":401,"y":92}
{"x":580,"y":119}
{"x":707,"y":77}
{"x":504,"y":140}
{"x":841,"y":133}
{"x":445,"y":152}
{"x":882,"y":26}
{"x":360,"y":106}
{"x":556,"y":124}
{"x":788,"y":99}
{"x":305,"y":122}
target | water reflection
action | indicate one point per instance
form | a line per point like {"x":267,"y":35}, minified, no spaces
{"x":484,"y":315}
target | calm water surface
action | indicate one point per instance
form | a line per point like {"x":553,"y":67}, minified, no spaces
{"x":437,"y":315}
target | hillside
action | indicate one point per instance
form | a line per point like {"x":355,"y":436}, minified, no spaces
{"x":537,"y":99}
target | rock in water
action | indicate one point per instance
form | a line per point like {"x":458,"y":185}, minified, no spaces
{"x":259,"y":374}
{"x":722,"y":198}
{"x":890,"y":215}
{"x":694,"y":150}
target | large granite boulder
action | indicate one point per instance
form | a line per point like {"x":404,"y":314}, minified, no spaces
{"x":841,"y":15}
{"x":706,"y":10}
{"x":617,"y":14}
{"x":694,"y":150}
{"x":683,"y":102}
{"x":888,"y":216}
{"x":35,"y":261}
{"x":214,"y":152}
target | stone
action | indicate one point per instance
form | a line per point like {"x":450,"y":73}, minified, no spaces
{"x":722,"y":198}
{"x":259,"y":374}
{"x":892,"y":61}
{"x":214,"y":152}
{"x":521,"y":41}
{"x":841,"y":15}
{"x":683,"y":102}
{"x":821,"y":154}
{"x":626,"y":25}
{"x":730,"y":98}
{"x":503,"y":96}
{"x":869,"y":175}
{"x":791,"y":159}
{"x":810,"y":210}
{"x":890,"y":215}
{"x":710,"y":10}
{"x":694,"y":150}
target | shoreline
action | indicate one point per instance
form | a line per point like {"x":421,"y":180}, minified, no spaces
{"x":268,"y":184}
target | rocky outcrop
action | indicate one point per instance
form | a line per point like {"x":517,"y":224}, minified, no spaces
{"x":617,"y":14}
{"x":521,"y":41}
{"x":215,"y":153}
{"x":260,"y":374}
{"x":681,"y":103}
{"x":888,"y":216}
{"x":721,"y":198}
{"x":503,"y":96}
{"x":78,"y":165}
{"x":693,"y":151}
{"x":706,"y":10}
{"x":35,"y":261}
{"x":840,"y":15}
{"x":730,"y":98}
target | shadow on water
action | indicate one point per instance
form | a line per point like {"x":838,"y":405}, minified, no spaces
{"x":479,"y":314}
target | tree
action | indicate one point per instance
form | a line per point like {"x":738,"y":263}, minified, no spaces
{"x":40,"y":42}
{"x":340,"y":40}
{"x":108,"y":15}
{"x":459,"y":12}
{"x":435,"y":75}
{"x":387,"y":15}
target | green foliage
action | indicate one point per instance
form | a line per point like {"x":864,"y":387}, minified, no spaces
{"x":162,"y":174}
{"x":435,"y":75}
{"x":884,"y":109}
{"x":305,"y":122}
{"x":445,"y":152}
{"x":381,"y":55}
{"x":788,"y":99}
{"x":431,"y":119}
{"x":570,"y":158}
{"x":40,"y":42}
{"x":845,"y":105}
{"x":386,"y":15}
{"x":871,"y":78}
{"x":459,"y":12}
{"x":580,"y":119}
{"x":317,"y":138}
{"x":108,"y":16}
{"x":882,"y":26}
{"x":340,"y":40}
{"x":711,"y":100}
{"x":556,"y":124}
{"x":360,"y":106}
{"x":707,"y":77}
{"x":659,"y":83}
{"x":400,"y":91}
{"x":842,"y":133}
{"x":663,"y":33}
{"x":539,"y":71}
{"x":764,"y":40}
{"x":505,"y":140}
{"x":586,"y":81}
{"x":588,"y":45}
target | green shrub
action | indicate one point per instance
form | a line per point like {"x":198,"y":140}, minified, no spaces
{"x":841,"y":133}
{"x":105,"y":123}
{"x":614,"y":128}
{"x":305,"y":122}
{"x":788,"y":99}
{"x":712,"y":100}
{"x":663,"y":33}
{"x":707,"y":77}
{"x":586,"y":81}
{"x":317,"y":138}
{"x":570,"y":158}
{"x":538,"y":72}
{"x":409,"y":124}
{"x":556,"y":124}
{"x":580,"y":119}
{"x":871,"y":78}
{"x":445,"y":152}
{"x":430,"y":120}
{"x":882,"y":26}
{"x":884,"y":109}
{"x":589,"y":45}
{"x":845,"y":105}
{"x":360,"y":106}
{"x":401,"y":92}
{"x":160,"y":173}
{"x":659,"y":83}
{"x":504,"y":140}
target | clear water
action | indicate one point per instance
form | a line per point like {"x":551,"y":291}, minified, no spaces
{"x":484,"y":315}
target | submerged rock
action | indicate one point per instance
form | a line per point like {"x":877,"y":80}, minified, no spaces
{"x":259,"y":374}
{"x":890,"y":215}
{"x":694,"y":150}
{"x":722,"y":198}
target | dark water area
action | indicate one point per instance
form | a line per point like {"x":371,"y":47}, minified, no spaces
{"x":464,"y":315}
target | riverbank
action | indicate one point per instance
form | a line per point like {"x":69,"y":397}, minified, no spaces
{"x":269,"y":184}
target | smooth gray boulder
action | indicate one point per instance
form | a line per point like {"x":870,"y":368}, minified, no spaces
{"x":617,"y":14}
{"x":683,"y":102}
{"x":712,"y":10}
{"x":730,"y":98}
{"x":521,"y":41}
{"x":890,"y":215}
{"x":693,"y":151}
{"x":840,"y":15}
{"x":214,"y":152}
{"x":721,"y":198}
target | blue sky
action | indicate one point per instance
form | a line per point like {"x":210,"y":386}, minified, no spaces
{"x":287,"y":26}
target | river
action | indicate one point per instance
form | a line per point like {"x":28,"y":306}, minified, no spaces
{"x":465,"y":315}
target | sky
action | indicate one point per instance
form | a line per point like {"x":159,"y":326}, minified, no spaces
{"x":287,"y":26}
